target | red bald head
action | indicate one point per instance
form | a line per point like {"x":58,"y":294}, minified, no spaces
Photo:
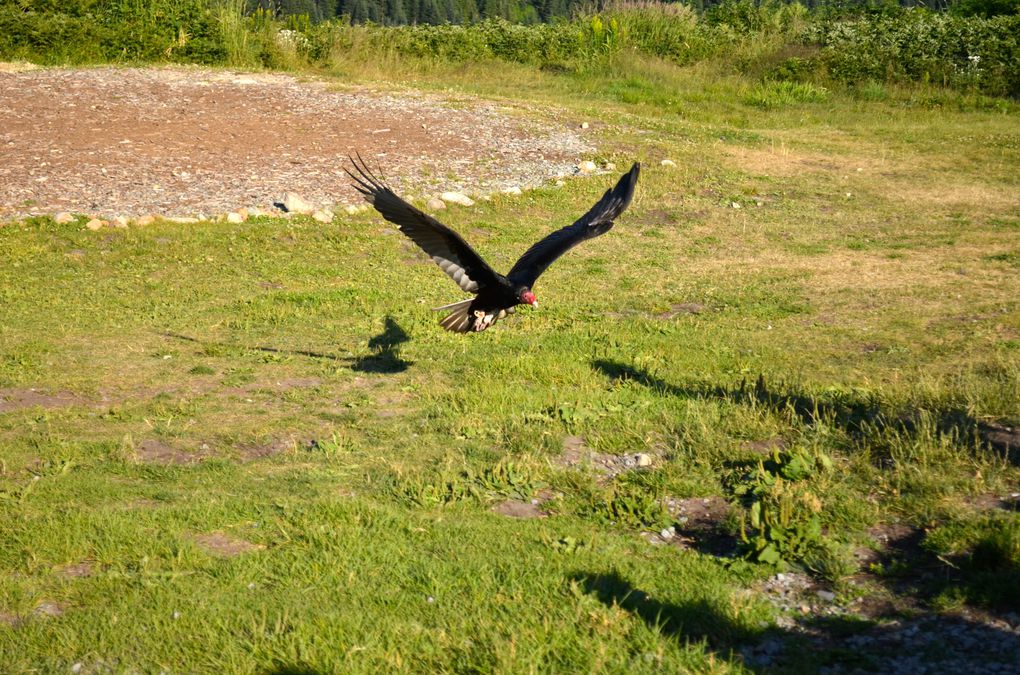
{"x":528,"y":298}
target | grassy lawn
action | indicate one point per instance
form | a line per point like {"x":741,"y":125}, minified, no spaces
{"x":250,"y":447}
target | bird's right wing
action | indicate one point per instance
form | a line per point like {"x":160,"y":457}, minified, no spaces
{"x":598,"y":220}
{"x":447,"y":248}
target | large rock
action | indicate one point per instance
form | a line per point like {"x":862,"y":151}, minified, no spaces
{"x":95,"y":224}
{"x":63,"y":218}
{"x":435,"y":204}
{"x":457,"y":198}
{"x":295,"y":204}
{"x":235,"y":217}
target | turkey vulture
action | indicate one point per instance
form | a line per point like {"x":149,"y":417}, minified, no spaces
{"x":495,"y":295}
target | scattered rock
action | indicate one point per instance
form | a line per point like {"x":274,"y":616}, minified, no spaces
{"x":95,"y":224}
{"x":517,"y":509}
{"x":587,"y":166}
{"x":293,"y":203}
{"x":435,"y":204}
{"x":642,"y":459}
{"x":63,"y":218}
{"x":120,"y":222}
{"x":514,"y":190}
{"x":584,"y":125}
{"x":827,"y":596}
{"x":610,"y":166}
{"x":147,"y":219}
{"x":457,"y":198}
{"x":560,"y":183}
{"x":667,"y":162}
{"x":235,"y":217}
{"x":668,"y":533}
{"x":323,"y":216}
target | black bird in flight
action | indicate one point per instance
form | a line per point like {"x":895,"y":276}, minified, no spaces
{"x":495,"y":295}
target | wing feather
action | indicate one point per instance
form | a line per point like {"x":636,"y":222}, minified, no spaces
{"x":446,"y":248}
{"x":598,"y":220}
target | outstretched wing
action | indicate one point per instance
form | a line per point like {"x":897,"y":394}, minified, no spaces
{"x":446,"y":247}
{"x":598,"y":220}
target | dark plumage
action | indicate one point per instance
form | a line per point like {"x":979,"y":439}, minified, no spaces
{"x":495,"y":295}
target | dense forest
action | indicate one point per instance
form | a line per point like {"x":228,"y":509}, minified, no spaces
{"x":400,"y":12}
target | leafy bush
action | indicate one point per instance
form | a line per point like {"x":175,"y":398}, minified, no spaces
{"x":922,"y":46}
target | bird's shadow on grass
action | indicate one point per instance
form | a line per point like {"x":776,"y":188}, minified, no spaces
{"x":384,"y":357}
{"x":858,"y":415}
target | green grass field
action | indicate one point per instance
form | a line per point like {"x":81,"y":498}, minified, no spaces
{"x":234,"y":448}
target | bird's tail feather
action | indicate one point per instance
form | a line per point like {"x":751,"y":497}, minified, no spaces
{"x":460,"y":319}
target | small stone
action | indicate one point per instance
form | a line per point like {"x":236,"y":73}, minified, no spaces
{"x":667,"y":162}
{"x":457,"y":198}
{"x":435,"y":204}
{"x":584,"y":125}
{"x":147,"y":219}
{"x":293,"y":203}
{"x":430,"y":599}
{"x":667,"y":533}
{"x":323,"y":216}
{"x":256,"y":212}
{"x":735,"y":205}
{"x":351,"y":210}
{"x":95,"y":224}
{"x":235,"y":217}
{"x":642,"y":459}
{"x":610,"y":166}
{"x":63,"y":218}
{"x":827,"y":596}
{"x":512,"y":190}
{"x":121,"y":222}
{"x":176,"y":615}
{"x":587,"y":166}
{"x":560,"y":183}
{"x":76,"y":668}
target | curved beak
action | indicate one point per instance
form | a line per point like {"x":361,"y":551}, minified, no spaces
{"x":534,"y":303}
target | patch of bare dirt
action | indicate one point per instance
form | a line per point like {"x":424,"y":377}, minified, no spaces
{"x":14,"y":398}
{"x":764,"y":447}
{"x":1003,"y":438}
{"x":182,"y":141}
{"x":157,"y":452}
{"x":223,"y":545}
{"x":577,"y":455}
{"x":513,"y":508}
{"x":75,"y":570}
{"x":681,"y":309}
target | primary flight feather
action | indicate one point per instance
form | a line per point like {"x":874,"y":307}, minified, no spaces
{"x":495,"y":295}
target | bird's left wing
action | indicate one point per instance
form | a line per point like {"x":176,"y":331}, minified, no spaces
{"x":598,"y":220}
{"x":447,"y":248}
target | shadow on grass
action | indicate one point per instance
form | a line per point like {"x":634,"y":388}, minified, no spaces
{"x":383,"y":359}
{"x":858,"y":415}
{"x":939,"y":643}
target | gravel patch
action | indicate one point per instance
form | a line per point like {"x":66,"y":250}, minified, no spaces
{"x":186,"y":142}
